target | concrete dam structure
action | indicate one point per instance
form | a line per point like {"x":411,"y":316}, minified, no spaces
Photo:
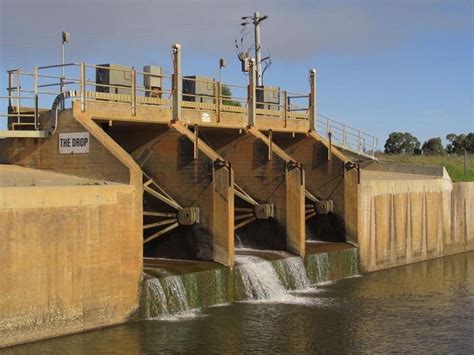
{"x":155,"y":193}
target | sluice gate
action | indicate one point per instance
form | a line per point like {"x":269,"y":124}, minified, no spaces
{"x":211,"y":165}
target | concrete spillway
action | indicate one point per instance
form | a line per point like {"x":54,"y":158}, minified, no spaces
{"x":175,"y":290}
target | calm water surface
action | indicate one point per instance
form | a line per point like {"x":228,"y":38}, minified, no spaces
{"x":426,"y":307}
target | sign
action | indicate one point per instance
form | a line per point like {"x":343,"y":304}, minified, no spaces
{"x":205,"y":117}
{"x":76,"y":143}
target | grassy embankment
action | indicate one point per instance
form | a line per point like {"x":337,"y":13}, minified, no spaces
{"x":453,"y":163}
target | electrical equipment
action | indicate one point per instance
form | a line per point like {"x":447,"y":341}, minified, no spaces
{"x":114,"y":79}
{"x":198,"y":88}
{"x":268,"y":97}
{"x":153,"y":81}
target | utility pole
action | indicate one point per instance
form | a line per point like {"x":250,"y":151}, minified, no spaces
{"x":256,"y":19}
{"x":65,"y":37}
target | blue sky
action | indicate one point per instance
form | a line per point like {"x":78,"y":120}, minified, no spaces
{"x":383,"y":66}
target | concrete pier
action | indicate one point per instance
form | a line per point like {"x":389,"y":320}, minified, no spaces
{"x":72,"y":249}
{"x":270,"y":179}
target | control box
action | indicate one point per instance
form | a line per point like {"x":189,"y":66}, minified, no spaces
{"x":198,"y":88}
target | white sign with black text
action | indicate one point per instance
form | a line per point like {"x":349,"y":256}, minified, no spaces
{"x":77,"y":143}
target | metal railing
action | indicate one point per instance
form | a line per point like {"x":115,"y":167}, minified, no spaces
{"x":345,"y":136}
{"x":28,"y":92}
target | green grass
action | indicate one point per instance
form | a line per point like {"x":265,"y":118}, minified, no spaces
{"x":453,"y":163}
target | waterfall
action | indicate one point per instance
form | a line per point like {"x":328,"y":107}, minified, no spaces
{"x":176,"y":294}
{"x":293,"y":273}
{"x":167,"y":299}
{"x":238,"y":241}
{"x":323,"y":268}
{"x":157,"y":297}
{"x":258,"y":276}
{"x":263,"y":280}
{"x":259,"y":279}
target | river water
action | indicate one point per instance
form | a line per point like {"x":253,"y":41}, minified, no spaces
{"x":425,"y":307}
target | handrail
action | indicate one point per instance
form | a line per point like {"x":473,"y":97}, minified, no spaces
{"x":58,"y":66}
{"x":289,"y":106}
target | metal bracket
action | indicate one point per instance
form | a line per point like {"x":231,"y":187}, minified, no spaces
{"x":188,"y":216}
{"x":324,"y":207}
{"x":264,"y":211}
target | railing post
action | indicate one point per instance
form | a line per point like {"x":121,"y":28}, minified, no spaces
{"x":134,"y":91}
{"x":312,"y":100}
{"x":18,"y":102}
{"x":373,"y":146}
{"x":330,"y":146}
{"x":285,"y":107}
{"x":218,"y":101}
{"x":270,"y":145}
{"x":251,"y":95}
{"x":177,"y":83}
{"x":359,"y":143}
{"x":344,"y":135}
{"x":10,"y":85}
{"x":196,"y":141}
{"x":36,"y":97}
{"x":83,"y":87}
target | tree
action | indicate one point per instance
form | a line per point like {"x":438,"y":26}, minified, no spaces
{"x":433,"y":146}
{"x":460,"y":142}
{"x":226,"y":94}
{"x":401,"y":143}
{"x":470,"y":142}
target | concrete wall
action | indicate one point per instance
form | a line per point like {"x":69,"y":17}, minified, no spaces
{"x":401,"y":221}
{"x":70,"y":259}
{"x":327,"y":180}
{"x":43,"y":154}
{"x":71,"y":256}
{"x":169,"y":160}
{"x":267,"y":181}
{"x":432,"y":171}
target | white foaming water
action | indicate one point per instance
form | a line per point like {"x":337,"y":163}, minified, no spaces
{"x":157,"y":294}
{"x":168,"y":300}
{"x":259,"y":278}
{"x":261,"y":282}
{"x":177,"y":294}
{"x":294,"y":273}
{"x":238,"y":242}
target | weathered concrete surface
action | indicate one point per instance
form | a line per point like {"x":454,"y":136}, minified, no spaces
{"x":327,"y":179}
{"x":330,"y":261}
{"x":168,"y":158}
{"x":43,"y":154}
{"x":71,"y":247}
{"x":411,"y":169}
{"x":66,"y":267}
{"x":267,"y":181}
{"x":404,"y":220}
{"x":13,"y":175}
{"x":295,"y":197}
